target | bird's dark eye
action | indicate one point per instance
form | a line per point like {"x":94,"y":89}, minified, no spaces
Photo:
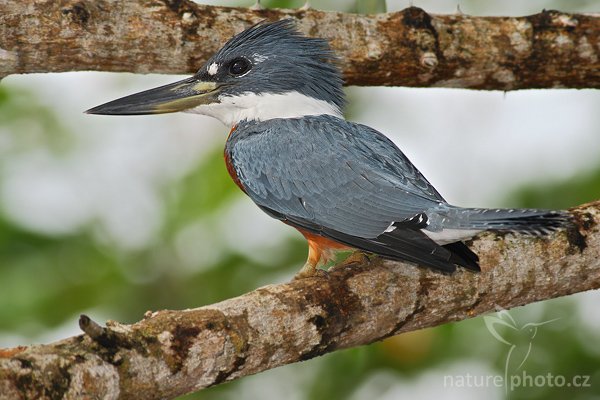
{"x":239,"y":66}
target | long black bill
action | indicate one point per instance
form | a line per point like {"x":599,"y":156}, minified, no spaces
{"x":178,"y":96}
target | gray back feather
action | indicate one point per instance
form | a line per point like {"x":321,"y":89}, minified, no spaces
{"x":331,"y":172}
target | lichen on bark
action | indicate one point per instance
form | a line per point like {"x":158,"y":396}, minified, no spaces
{"x":406,"y":48}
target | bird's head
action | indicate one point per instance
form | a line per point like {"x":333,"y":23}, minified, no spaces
{"x":268,"y":71}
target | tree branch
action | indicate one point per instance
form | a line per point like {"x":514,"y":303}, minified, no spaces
{"x":170,"y":353}
{"x":407,"y":48}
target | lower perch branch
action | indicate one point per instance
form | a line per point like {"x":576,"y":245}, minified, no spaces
{"x":171,"y":353}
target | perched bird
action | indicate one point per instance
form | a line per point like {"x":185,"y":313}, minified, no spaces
{"x":343,"y":185}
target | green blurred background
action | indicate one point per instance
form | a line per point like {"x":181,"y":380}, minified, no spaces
{"x":115,"y":216}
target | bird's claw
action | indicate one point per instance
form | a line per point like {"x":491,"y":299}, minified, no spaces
{"x":310,"y":271}
{"x":357,"y":257}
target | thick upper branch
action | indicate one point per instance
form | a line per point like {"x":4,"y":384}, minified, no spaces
{"x":407,"y":48}
{"x":174,"y":352}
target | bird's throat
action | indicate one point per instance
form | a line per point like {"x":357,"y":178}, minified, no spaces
{"x":265,"y":106}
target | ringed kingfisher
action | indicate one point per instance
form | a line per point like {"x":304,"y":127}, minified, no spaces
{"x":343,"y":185}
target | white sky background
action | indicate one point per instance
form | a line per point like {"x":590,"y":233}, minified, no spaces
{"x":117,"y":166}
{"x":475,"y":147}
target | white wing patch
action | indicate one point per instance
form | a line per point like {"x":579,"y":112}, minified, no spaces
{"x":446,"y":236}
{"x":213,"y":69}
{"x":390,"y":228}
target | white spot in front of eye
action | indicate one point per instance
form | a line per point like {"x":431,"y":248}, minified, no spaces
{"x":213,"y":69}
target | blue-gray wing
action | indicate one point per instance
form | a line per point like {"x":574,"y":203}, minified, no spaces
{"x":343,"y":181}
{"x":332,"y":173}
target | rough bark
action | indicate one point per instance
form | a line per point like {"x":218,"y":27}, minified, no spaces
{"x":407,"y":48}
{"x":170,"y":353}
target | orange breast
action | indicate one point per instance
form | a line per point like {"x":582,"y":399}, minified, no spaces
{"x":230,"y":167}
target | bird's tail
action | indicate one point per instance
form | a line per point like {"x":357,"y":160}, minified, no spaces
{"x":528,"y":221}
